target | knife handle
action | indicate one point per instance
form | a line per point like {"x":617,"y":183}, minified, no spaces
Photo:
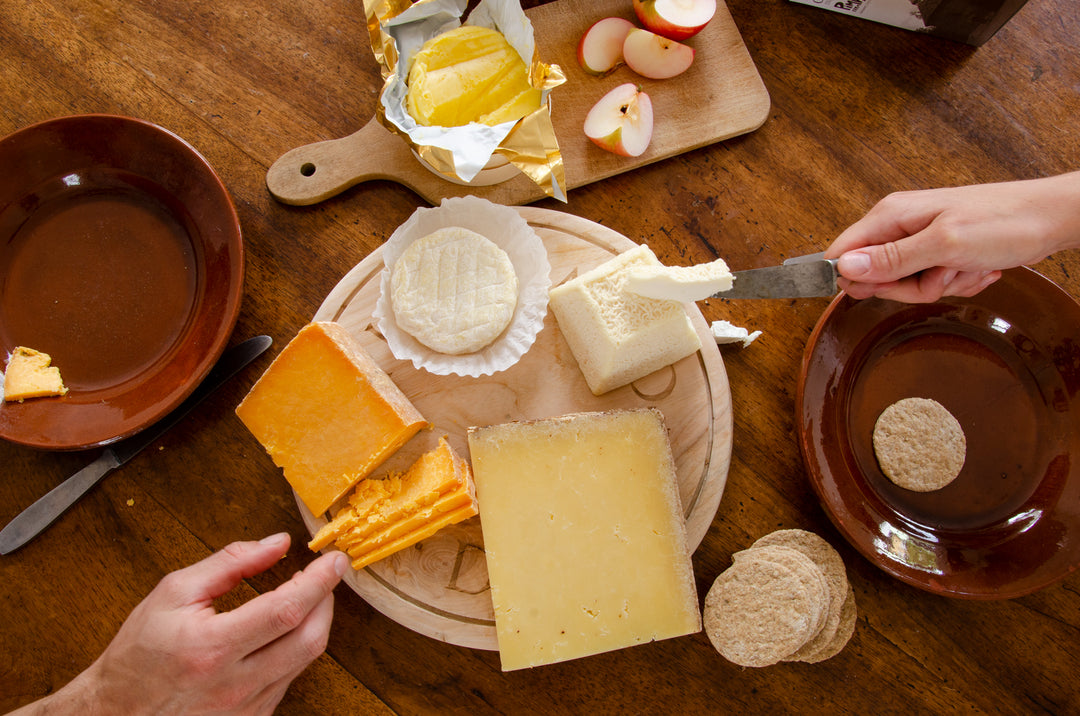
{"x":31,"y":521}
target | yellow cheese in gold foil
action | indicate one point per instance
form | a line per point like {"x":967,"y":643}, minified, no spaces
{"x":469,"y":74}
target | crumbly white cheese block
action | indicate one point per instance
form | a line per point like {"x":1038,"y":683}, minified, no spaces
{"x":584,"y":535}
{"x":453,"y":290}
{"x":680,"y":283}
{"x":618,"y":336}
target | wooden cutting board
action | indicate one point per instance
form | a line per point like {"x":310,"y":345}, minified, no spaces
{"x":439,"y":587}
{"x":719,"y":97}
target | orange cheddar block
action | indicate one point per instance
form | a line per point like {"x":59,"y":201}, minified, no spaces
{"x":388,"y":514}
{"x":327,"y":414}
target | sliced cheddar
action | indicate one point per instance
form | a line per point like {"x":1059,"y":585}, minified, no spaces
{"x":327,"y":414}
{"x":385,"y":515}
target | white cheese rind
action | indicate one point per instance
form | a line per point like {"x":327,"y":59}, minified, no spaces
{"x":453,"y":290}
{"x":617,"y":336}
{"x":584,"y":535}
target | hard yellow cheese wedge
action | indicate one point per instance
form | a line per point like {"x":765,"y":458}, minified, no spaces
{"x":584,"y":535}
{"x":30,"y":375}
{"x":327,"y":414}
{"x":469,"y":74}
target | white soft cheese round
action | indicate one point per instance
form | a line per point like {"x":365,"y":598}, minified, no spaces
{"x":453,"y":290}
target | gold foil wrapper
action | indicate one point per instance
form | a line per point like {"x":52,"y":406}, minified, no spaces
{"x":460,"y":153}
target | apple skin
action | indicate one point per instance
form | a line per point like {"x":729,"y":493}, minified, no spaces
{"x":621,"y":121}
{"x":675,"y":19}
{"x":655,"y":56}
{"x":600,"y":49}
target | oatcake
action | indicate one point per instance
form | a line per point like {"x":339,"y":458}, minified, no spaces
{"x":919,"y":445}
{"x":832,"y":568}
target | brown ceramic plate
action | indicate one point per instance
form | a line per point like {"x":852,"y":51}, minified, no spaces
{"x":1006,"y":363}
{"x":121,"y":257}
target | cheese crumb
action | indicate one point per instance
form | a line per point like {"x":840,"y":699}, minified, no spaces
{"x":726,"y":332}
{"x":30,"y":375}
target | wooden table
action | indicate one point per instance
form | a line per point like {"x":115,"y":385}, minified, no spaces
{"x":858,"y":110}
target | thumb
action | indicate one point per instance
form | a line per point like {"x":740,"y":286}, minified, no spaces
{"x":883,"y":263}
{"x":214,"y":576}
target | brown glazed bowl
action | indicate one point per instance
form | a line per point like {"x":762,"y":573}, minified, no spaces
{"x":1006,"y":364}
{"x":121,"y":257}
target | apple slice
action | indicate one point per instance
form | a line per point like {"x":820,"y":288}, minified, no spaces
{"x":655,"y":56}
{"x":676,"y":19}
{"x":621,"y":121}
{"x":600,"y":49}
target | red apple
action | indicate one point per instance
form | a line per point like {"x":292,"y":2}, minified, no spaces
{"x":655,"y":56}
{"x":600,"y":49}
{"x":621,"y":121}
{"x":676,"y":19}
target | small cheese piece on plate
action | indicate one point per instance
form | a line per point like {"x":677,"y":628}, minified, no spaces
{"x":30,"y":375}
{"x":618,"y":336}
{"x":386,"y":515}
{"x":327,"y":414}
{"x":584,"y":535}
{"x":680,"y":283}
{"x":469,"y":74}
{"x":453,"y":290}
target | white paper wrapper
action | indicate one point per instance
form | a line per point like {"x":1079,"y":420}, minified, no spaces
{"x":503,"y":226}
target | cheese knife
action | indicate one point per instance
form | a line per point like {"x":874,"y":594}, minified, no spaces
{"x":799,"y":277}
{"x":34,"y":519}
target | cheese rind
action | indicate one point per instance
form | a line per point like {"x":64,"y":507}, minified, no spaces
{"x":327,"y":414}
{"x":30,"y":375}
{"x":584,"y":535}
{"x":618,"y":336}
{"x":469,"y":74}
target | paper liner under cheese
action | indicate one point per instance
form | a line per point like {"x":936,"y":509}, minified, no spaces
{"x":511,"y":233}
{"x":385,"y":515}
{"x":327,"y":414}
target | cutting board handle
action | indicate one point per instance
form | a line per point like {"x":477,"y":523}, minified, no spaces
{"x":315,"y":172}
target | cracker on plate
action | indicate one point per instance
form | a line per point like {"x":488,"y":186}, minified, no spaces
{"x":919,"y":445}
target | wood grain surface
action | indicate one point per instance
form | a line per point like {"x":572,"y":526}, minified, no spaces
{"x":440,"y":587}
{"x":858,"y":110}
{"x":723,"y":78}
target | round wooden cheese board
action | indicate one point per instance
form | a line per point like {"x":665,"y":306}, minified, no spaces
{"x":440,"y":587}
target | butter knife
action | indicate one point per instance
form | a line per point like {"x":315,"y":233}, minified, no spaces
{"x":34,"y":519}
{"x":800,"y":277}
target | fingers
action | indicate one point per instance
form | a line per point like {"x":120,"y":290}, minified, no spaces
{"x":927,"y":287}
{"x":217,"y":574}
{"x":274,"y":614}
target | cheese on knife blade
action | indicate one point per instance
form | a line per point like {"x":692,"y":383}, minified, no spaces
{"x":327,"y":414}
{"x":680,"y":283}
{"x":584,"y":535}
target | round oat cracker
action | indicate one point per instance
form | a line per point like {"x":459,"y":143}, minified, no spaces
{"x":803,"y":567}
{"x":845,"y":628}
{"x":831,"y":565}
{"x":919,"y":445}
{"x":758,"y":611}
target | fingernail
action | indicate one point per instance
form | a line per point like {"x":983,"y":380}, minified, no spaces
{"x":948,"y":277}
{"x":341,"y":563}
{"x":854,"y":264}
{"x":274,"y":539}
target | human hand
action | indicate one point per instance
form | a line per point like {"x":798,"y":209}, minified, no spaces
{"x":176,"y":654}
{"x":919,"y":246}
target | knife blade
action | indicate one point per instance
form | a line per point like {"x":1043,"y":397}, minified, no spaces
{"x":34,"y":519}
{"x":801,"y":277}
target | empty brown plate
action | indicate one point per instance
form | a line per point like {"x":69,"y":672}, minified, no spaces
{"x":120,"y":257}
{"x":1006,"y":363}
